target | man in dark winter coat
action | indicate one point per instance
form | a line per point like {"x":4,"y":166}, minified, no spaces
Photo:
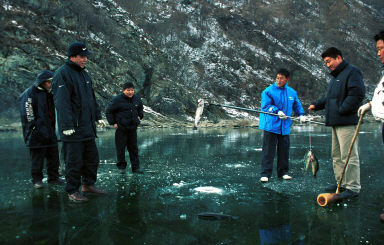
{"x":37,"y":113}
{"x":345,"y":93}
{"x":124,"y":113}
{"x":77,"y":112}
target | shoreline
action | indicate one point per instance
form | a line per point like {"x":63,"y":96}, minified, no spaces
{"x":174,"y":123}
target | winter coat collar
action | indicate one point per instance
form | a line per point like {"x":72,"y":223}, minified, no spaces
{"x":339,"y":68}
{"x":127,"y":98}
{"x":277,"y":86}
{"x":74,"y":65}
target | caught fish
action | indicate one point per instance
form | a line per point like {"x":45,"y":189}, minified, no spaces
{"x":216,"y":216}
{"x":311,"y":161}
{"x":199,"y":112}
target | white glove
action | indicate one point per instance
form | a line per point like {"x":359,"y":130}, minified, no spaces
{"x":303,"y":119}
{"x":282,"y":115}
{"x":363,"y":109}
{"x":68,"y":132}
{"x":101,"y":123}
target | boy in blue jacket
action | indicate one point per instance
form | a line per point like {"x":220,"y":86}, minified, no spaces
{"x":281,"y":100}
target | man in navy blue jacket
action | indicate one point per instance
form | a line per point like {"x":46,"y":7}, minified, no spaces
{"x":124,"y":113}
{"x":77,"y":114}
{"x":345,"y":93}
{"x":37,"y":113}
{"x":282,"y":100}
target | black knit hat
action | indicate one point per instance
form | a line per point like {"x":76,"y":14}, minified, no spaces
{"x":128,"y":85}
{"x":78,"y":48}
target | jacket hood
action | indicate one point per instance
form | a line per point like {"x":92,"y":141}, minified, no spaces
{"x":43,"y":76}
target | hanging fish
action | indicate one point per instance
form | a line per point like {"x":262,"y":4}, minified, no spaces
{"x":199,"y":112}
{"x":310,"y":160}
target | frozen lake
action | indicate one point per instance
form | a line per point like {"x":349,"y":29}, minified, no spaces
{"x":189,"y":172}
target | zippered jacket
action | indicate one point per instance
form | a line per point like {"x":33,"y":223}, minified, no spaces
{"x":75,"y":103}
{"x":125,"y":112}
{"x":37,"y":113}
{"x":275,"y":99}
{"x":345,"y":93}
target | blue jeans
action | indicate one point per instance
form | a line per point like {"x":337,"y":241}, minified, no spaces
{"x":270,"y":141}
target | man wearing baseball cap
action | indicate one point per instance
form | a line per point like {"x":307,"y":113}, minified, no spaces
{"x":77,"y":114}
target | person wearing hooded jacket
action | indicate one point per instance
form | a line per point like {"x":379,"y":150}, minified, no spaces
{"x":345,"y":93}
{"x":77,"y":114}
{"x":282,"y":100}
{"x":37,"y":114}
{"x":124,"y":113}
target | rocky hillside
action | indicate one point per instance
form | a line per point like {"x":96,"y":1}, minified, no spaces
{"x":178,"y":51}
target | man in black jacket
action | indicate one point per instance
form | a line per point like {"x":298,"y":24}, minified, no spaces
{"x":345,"y":93}
{"x":77,"y":112}
{"x":37,"y":113}
{"x":124,"y":113}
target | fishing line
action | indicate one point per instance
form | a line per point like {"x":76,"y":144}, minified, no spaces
{"x":309,"y":132}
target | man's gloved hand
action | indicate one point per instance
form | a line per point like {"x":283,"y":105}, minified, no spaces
{"x":101,"y":123}
{"x":282,"y":115}
{"x":363,"y":109}
{"x":303,"y":119}
{"x":68,"y":132}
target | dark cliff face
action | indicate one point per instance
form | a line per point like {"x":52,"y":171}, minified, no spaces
{"x":178,"y":51}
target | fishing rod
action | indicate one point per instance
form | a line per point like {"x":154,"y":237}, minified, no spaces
{"x":264,"y":112}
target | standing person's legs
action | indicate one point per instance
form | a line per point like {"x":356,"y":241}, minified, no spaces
{"x":283,"y":144}
{"x":53,"y":163}
{"x":268,"y":153}
{"x":351,"y":178}
{"x":338,"y":163}
{"x":37,"y":163}
{"x":133,"y":149}
{"x":91,"y":162}
{"x":73,"y":157}
{"x":120,"y":144}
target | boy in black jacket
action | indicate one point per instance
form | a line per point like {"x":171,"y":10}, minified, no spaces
{"x":124,"y":113}
{"x":37,"y":113}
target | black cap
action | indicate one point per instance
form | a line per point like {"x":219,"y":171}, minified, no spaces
{"x":78,"y":48}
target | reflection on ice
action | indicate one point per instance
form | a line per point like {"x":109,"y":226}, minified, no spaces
{"x":253,"y":149}
{"x":209,"y":190}
{"x":234,"y":165}
{"x":303,"y":128}
{"x":182,"y":183}
{"x":148,"y":143}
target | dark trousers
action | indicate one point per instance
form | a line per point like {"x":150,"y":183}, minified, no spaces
{"x":382,"y":132}
{"x":270,"y":140}
{"x":37,"y":157}
{"x":127,"y":138}
{"x":81,"y":163}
